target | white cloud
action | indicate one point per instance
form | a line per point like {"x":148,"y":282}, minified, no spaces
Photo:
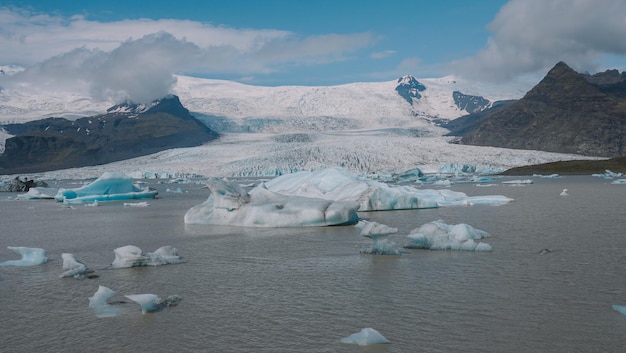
{"x":533,"y":35}
{"x":382,"y":54}
{"x":136,"y":59}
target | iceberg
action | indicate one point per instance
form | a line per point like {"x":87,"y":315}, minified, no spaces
{"x":99,"y":302}
{"x":339,"y":185}
{"x":365,"y":337}
{"x":230,"y":204}
{"x":110,"y":186}
{"x":132,"y":256}
{"x":30,"y":256}
{"x":620,"y":308}
{"x":379,"y":233}
{"x":74,"y":268}
{"x":38,"y":193}
{"x":438,"y":235}
{"x":152,"y":303}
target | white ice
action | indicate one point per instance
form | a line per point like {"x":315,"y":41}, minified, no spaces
{"x":110,"y":186}
{"x":30,"y":256}
{"x":132,"y":256}
{"x":38,"y":192}
{"x":230,"y":204}
{"x":619,"y":181}
{"x":438,"y":235}
{"x":74,"y":267}
{"x":381,"y":244}
{"x":99,"y":302}
{"x":151,"y":302}
{"x":342,"y":185}
{"x":365,"y":337}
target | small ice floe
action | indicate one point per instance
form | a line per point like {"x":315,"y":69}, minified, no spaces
{"x":38,"y":193}
{"x":30,"y":256}
{"x":619,"y":181}
{"x":365,"y":337}
{"x":518,"y":182}
{"x":74,"y":267}
{"x":378,"y":232}
{"x":93,"y":204}
{"x":99,"y":302}
{"x":151,"y":302}
{"x":564,"y":192}
{"x":438,"y":235}
{"x":132,"y":256}
{"x":545,"y":251}
{"x":608,"y":175}
{"x":136,"y":204}
{"x":110,"y":186}
{"x":620,"y":308}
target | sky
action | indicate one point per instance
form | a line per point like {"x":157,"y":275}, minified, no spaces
{"x":118,"y":49}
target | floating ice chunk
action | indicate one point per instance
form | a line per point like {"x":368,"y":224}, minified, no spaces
{"x":620,"y":308}
{"x":30,"y":256}
{"x":365,"y":337}
{"x":38,"y":193}
{"x":378,"y":232}
{"x":335,"y":184}
{"x":229,"y":204}
{"x":619,"y":181}
{"x":110,"y":186}
{"x":74,"y":268}
{"x":564,"y":192}
{"x":438,"y":235}
{"x":152,"y":303}
{"x":99,"y":302}
{"x":518,"y":182}
{"x":608,"y":175}
{"x":132,"y":256}
{"x":136,"y":204}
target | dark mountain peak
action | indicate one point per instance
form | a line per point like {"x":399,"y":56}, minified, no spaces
{"x":563,"y":83}
{"x":169,"y":104}
{"x":608,"y":77}
{"x":409,"y":88}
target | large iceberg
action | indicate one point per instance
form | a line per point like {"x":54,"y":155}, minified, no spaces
{"x":365,"y":337}
{"x":438,"y":235}
{"x":30,"y":256}
{"x":132,"y":256}
{"x":110,"y":186}
{"x":230,"y":204}
{"x":340,"y":185}
{"x":99,"y":302}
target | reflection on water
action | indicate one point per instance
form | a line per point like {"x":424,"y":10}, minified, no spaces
{"x":304,"y":289}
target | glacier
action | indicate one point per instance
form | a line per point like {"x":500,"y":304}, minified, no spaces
{"x":342,"y":185}
{"x":99,"y":302}
{"x":230,"y":204}
{"x":438,"y":235}
{"x":110,"y":186}
{"x":365,"y":337}
{"x":30,"y":256}
{"x":133,"y":256}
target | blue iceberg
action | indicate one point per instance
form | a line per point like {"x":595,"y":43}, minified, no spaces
{"x":438,"y":235}
{"x":30,"y":256}
{"x":110,"y":186}
{"x":230,"y":204}
{"x":365,"y":337}
{"x":99,"y":302}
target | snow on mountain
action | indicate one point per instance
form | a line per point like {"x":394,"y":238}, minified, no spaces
{"x":363,"y":127}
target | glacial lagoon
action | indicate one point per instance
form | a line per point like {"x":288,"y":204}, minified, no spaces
{"x":556,"y":270}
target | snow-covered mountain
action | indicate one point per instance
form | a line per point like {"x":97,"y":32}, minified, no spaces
{"x":366,"y":127}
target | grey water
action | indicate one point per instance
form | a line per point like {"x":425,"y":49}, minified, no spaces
{"x":304,"y":289}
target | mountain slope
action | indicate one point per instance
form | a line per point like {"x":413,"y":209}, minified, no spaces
{"x":125,"y":131}
{"x":566,"y":112}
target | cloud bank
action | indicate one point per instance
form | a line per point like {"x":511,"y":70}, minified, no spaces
{"x":533,"y":35}
{"x":136,"y":59}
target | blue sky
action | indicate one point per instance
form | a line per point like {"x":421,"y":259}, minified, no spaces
{"x":323,"y":42}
